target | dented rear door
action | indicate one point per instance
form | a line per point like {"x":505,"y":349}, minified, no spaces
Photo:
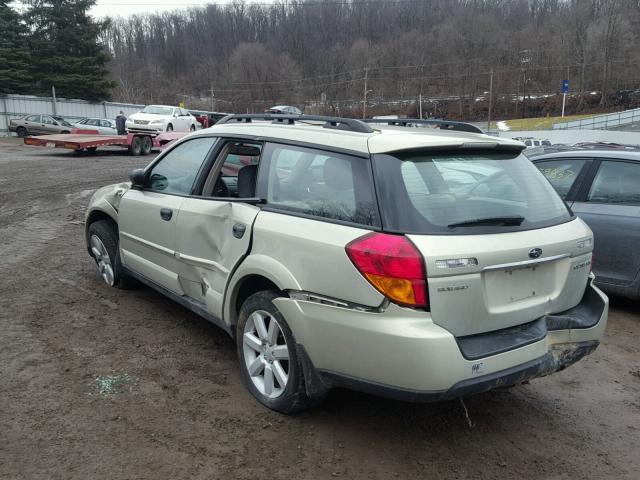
{"x":213,"y":236}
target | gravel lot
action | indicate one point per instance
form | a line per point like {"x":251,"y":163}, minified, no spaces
{"x":99,"y":383}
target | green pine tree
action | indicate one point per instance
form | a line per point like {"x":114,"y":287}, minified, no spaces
{"x":66,"y":51}
{"x":14,"y":53}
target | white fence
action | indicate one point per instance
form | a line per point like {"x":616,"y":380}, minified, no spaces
{"x":14,"y":106}
{"x":601,"y":122}
{"x":570,"y":137}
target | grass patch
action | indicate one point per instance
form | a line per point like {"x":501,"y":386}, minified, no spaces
{"x":540,"y":123}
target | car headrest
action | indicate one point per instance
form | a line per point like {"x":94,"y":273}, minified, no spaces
{"x":337,"y":174}
{"x":247,"y":177}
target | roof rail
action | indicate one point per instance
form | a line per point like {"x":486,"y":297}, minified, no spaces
{"x":443,"y":124}
{"x":337,"y":123}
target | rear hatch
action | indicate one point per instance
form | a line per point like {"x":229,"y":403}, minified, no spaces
{"x":500,"y":247}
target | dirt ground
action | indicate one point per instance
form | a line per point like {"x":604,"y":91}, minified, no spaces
{"x":98,"y":383}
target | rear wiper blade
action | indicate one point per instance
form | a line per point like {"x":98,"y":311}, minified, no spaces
{"x":514,"y":220}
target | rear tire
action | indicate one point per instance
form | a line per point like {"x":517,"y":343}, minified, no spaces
{"x":147,"y":145}
{"x":65,"y":132}
{"x":269,"y":360}
{"x":192,"y":128}
{"x":136,"y":146}
{"x":22,"y":132}
{"x":103,"y":242}
{"x":169,"y":128}
{"x":92,"y":149}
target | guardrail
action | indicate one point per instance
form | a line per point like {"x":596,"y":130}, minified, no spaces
{"x":601,"y":122}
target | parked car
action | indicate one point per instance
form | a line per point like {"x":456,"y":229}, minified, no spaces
{"x":531,"y":142}
{"x":207,"y":119}
{"x":284,"y":110}
{"x":161,"y":118}
{"x":39,"y":125}
{"x":104,"y":126}
{"x":461,"y":271}
{"x":603,"y":188}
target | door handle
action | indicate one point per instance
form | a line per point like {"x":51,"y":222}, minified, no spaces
{"x":166,"y":214}
{"x":239,"y":229}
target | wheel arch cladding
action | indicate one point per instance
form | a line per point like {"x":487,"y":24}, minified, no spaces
{"x":243,"y":289}
{"x":96,"y":216}
{"x":279,"y":277}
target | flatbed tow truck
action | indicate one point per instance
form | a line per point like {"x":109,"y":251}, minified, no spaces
{"x":89,"y":141}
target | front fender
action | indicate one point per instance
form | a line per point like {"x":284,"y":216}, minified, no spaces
{"x":104,"y":203}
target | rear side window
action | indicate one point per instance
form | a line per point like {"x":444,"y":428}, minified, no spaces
{"x":616,"y":182}
{"x":464,"y":193}
{"x":562,"y":173}
{"x":319,"y":183}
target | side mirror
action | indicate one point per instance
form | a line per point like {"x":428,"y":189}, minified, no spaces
{"x":138,"y":178}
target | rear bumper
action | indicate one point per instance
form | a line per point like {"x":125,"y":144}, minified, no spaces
{"x":400,"y":353}
{"x":559,"y":358}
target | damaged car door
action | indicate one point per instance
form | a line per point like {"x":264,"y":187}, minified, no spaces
{"x":214,"y":228}
{"x":149,"y":213}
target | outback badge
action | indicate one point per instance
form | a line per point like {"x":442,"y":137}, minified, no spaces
{"x":535,"y":252}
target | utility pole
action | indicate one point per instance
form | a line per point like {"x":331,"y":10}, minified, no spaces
{"x":364,"y":97}
{"x":421,"y":86}
{"x":213,"y":109}
{"x":54,"y":101}
{"x":490,"y":101}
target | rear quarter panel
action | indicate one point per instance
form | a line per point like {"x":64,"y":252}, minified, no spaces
{"x":313,"y":253}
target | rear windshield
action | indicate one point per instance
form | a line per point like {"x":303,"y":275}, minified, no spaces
{"x":465,"y":193}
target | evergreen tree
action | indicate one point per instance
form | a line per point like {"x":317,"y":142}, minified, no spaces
{"x":66,"y":51}
{"x":14,"y":53}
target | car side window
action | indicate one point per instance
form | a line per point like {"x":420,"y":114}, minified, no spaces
{"x":321,"y":184}
{"x":48,"y":120}
{"x":235,"y":171}
{"x":177,"y":170}
{"x":105,"y":123}
{"x":616,"y":183}
{"x":33,"y":118}
{"x":562,"y":173}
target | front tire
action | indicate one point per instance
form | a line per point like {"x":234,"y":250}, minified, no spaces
{"x":22,"y":132}
{"x":192,"y":128}
{"x":169,"y":128}
{"x":271,"y":367}
{"x":103,"y":242}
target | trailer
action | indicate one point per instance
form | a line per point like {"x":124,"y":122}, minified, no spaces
{"x":89,"y":141}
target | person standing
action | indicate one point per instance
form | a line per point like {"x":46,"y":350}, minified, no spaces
{"x":121,"y":120}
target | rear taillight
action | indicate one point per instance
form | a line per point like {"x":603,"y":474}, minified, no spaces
{"x":393,"y":265}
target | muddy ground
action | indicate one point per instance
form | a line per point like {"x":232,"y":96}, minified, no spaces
{"x":98,"y":383}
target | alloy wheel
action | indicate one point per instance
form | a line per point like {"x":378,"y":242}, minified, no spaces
{"x":266,"y":354}
{"x":103,"y":260}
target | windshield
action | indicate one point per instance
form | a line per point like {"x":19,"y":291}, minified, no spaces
{"x":62,"y":121}
{"x":465,"y":193}
{"x":157,"y":110}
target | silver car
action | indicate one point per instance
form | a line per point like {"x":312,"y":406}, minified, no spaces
{"x":103,"y":126}
{"x":39,"y":125}
{"x":603,"y":188}
{"x":420,"y":264}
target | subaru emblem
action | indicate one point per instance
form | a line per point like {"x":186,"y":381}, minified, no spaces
{"x":535,"y":252}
